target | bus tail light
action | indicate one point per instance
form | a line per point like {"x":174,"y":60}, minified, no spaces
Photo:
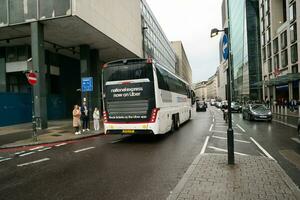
{"x":105,"y":116}
{"x":154,"y":115}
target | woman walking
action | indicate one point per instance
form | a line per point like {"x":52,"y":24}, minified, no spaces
{"x":76,"y":119}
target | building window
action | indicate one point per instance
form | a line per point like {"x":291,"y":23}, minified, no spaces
{"x":294,"y":53}
{"x":270,"y":65}
{"x":54,"y":8}
{"x":275,"y":46}
{"x":293,"y":32}
{"x":284,"y":58}
{"x":262,"y":11}
{"x":284,"y":10}
{"x":293,"y":12}
{"x":3,"y":13}
{"x":263,"y":41}
{"x":276,"y":61}
{"x":21,"y":11}
{"x":268,"y":20}
{"x":263,"y":24}
{"x":283,"y":40}
{"x":264,"y":54}
{"x":268,"y":35}
{"x":295,"y":69}
{"x":269,"y":50}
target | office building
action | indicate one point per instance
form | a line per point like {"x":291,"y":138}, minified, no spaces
{"x":279,"y":46}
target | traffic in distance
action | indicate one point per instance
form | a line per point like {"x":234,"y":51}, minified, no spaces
{"x":140,"y":96}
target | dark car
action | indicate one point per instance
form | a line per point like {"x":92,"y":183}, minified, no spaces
{"x":201,"y":106}
{"x":257,"y":112}
{"x":236,"y":107}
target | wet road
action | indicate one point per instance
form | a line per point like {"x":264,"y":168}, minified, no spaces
{"x":136,"y":167}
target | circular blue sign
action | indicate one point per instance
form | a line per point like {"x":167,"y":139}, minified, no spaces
{"x":225,"y":49}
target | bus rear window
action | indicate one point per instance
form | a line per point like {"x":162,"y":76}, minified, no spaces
{"x":128,"y":72}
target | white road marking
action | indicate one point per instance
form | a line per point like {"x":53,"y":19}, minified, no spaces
{"x":241,"y":128}
{"x":116,"y":141}
{"x":211,"y":126}
{"x":20,"y":152}
{"x":85,"y":149}
{"x":204,"y":146}
{"x":5,"y":159}
{"x":213,"y":119}
{"x":61,"y":144}
{"x":224,"y":138}
{"x":224,"y":150}
{"x":33,"y":162}
{"x":26,"y":154}
{"x":215,"y":131}
{"x":262,"y":149}
{"x":44,"y":149}
{"x":36,"y":148}
{"x":296,"y":140}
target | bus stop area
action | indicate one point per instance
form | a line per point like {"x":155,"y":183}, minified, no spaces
{"x":21,"y":135}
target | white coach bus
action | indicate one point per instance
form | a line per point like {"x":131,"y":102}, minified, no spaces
{"x":141,"y":96}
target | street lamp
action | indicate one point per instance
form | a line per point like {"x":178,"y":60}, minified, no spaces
{"x":227,"y":56}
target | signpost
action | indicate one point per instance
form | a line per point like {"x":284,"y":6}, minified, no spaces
{"x":32,"y":80}
{"x":86,"y":87}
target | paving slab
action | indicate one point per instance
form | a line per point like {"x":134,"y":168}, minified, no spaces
{"x":252,"y":177}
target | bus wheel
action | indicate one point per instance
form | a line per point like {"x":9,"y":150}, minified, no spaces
{"x":177,"y":122}
{"x":172,"y":125}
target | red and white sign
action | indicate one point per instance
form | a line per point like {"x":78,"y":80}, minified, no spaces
{"x":32,"y":78}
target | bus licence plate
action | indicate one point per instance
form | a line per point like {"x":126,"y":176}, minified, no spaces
{"x":128,"y":131}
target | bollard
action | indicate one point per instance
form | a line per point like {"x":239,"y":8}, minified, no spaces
{"x":282,"y":110}
{"x":285,"y":110}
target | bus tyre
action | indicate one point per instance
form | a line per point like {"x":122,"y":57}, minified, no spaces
{"x":177,"y":122}
{"x":172,"y":126}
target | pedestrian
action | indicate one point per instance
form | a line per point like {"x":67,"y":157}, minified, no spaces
{"x":76,"y":119}
{"x":96,"y":117}
{"x":85,"y":117}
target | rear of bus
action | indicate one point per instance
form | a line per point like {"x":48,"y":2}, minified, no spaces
{"x":129,"y":98}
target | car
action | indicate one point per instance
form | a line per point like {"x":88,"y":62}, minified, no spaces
{"x":201,"y":106}
{"x":212,"y":102}
{"x":257,"y":112}
{"x":236,"y":107}
{"x":218,"y":104}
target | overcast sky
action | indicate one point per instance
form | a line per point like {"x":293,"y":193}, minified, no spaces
{"x":191,"y":21}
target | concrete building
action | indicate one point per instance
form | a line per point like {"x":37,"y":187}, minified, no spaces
{"x":279,"y":47}
{"x":212,"y":87}
{"x":183,"y":68}
{"x":222,"y":81}
{"x":200,"y":90}
{"x":64,"y":41}
{"x":245,"y":48}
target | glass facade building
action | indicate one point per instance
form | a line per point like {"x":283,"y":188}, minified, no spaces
{"x":155,"y":43}
{"x":245,"y":49}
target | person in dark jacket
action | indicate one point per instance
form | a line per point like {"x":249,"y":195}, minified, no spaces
{"x":85,"y":117}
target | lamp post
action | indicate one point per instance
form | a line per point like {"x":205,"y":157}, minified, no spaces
{"x":227,"y":56}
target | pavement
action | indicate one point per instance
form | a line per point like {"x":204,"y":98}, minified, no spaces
{"x":58,"y":131}
{"x":252,"y":177}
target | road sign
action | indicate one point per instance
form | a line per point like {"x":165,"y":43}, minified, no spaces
{"x":87,"y":84}
{"x":225,"y":49}
{"x":32,"y":78}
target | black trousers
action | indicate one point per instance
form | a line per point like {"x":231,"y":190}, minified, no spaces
{"x":85,"y":122}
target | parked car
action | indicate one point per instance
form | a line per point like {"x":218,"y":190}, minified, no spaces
{"x":201,"y":106}
{"x":257,"y":112}
{"x":212,"y":102}
{"x":236,"y":107}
